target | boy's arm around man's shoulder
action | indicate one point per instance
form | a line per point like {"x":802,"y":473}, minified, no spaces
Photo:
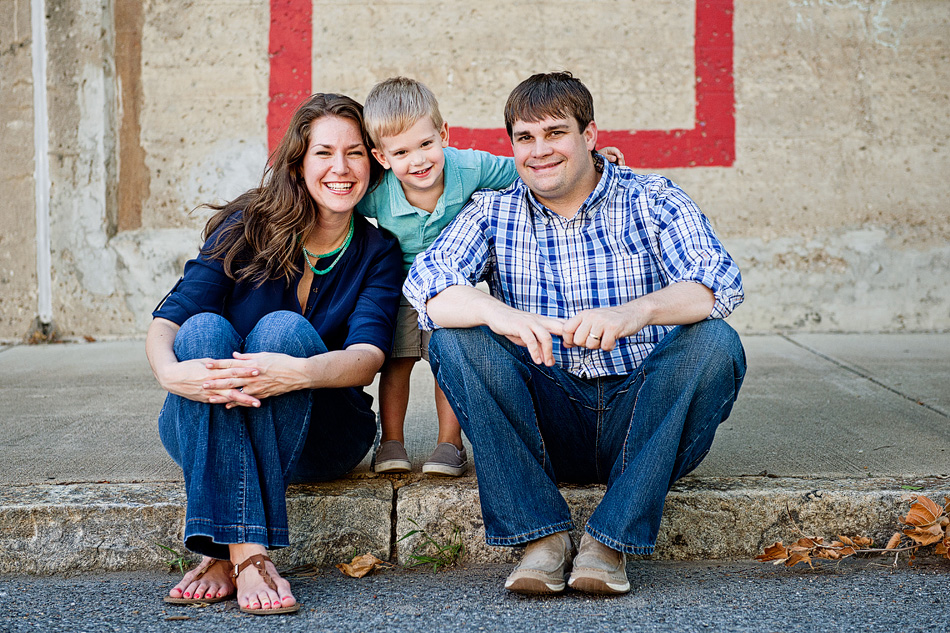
{"x":493,"y":172}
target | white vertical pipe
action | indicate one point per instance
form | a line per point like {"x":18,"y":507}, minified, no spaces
{"x":44,"y":278}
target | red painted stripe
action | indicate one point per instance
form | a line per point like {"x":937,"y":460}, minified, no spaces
{"x":291,"y":28}
{"x":710,"y":143}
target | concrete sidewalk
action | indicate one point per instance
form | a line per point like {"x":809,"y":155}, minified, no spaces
{"x":833,"y":430}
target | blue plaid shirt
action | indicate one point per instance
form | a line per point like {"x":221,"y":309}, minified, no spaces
{"x":634,"y":234}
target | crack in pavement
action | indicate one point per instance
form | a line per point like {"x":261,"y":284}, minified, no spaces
{"x":861,"y":374}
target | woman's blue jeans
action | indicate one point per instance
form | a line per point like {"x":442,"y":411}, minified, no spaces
{"x":533,"y":426}
{"x":237,"y":462}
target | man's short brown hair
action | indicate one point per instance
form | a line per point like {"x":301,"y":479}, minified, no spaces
{"x":557,"y":95}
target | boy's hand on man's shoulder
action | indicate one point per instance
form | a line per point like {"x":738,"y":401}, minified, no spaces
{"x":613,"y":154}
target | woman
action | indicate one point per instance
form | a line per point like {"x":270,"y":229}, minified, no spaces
{"x":264,"y":345}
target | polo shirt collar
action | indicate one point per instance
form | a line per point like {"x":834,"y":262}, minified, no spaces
{"x":452,"y":191}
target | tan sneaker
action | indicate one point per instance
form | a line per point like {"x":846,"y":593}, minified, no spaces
{"x":599,"y":569}
{"x":544,"y":566}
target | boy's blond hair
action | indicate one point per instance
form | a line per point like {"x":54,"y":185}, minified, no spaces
{"x":394,"y":105}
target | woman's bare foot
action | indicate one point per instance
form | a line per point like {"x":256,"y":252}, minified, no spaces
{"x":210,"y":580}
{"x":253,"y":591}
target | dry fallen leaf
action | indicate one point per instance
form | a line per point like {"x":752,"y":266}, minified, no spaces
{"x":925,"y":535}
{"x":805,"y":544}
{"x":776,"y":552}
{"x":798,"y":557}
{"x":857,"y":542}
{"x":923,"y":513}
{"x":943,"y":547}
{"x":928,"y":524}
{"x":894,"y":541}
{"x":360,"y":565}
{"x":842,"y":549}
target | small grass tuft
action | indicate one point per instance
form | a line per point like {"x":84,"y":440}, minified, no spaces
{"x":179,"y":560}
{"x":429,"y":551}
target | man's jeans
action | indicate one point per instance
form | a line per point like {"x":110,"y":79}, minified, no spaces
{"x":237,"y":462}
{"x":532,"y":426}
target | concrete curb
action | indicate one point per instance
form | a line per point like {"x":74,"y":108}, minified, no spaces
{"x":704,"y":518}
{"x":104,"y":527}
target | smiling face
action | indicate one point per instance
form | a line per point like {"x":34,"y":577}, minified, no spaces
{"x":336,"y":167}
{"x":553,"y":158}
{"x":416,"y":155}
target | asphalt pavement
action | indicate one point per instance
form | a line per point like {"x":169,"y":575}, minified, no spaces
{"x":686,"y":597}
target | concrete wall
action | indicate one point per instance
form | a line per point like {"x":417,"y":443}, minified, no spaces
{"x":835,"y":204}
{"x":18,"y":302}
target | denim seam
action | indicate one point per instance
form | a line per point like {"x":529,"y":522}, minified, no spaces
{"x":689,"y":467}
{"x":537,"y":422}
{"x":617,"y":545}
{"x":544,"y":450}
{"x":533,"y":535}
{"x":262,"y":529}
{"x":231,"y":533}
{"x":633,"y":413}
{"x":301,"y":441}
{"x":600,"y":420}
{"x":244,"y":476}
{"x":448,"y":393}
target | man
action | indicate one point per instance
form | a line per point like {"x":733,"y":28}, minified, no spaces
{"x":600,"y":354}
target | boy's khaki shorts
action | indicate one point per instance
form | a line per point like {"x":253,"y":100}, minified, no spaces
{"x":409,"y":341}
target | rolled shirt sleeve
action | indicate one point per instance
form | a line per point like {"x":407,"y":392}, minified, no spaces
{"x":460,"y":256}
{"x":689,"y":249}
{"x":373,"y":317}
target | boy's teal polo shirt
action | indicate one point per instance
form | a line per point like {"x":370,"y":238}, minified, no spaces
{"x":465,"y":172}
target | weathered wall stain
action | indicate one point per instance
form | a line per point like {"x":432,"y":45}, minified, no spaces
{"x":835,"y":204}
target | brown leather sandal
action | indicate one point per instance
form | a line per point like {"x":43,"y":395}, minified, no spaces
{"x":202,"y":572}
{"x":258,"y":561}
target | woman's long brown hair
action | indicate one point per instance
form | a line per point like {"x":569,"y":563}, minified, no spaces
{"x":262,"y":244}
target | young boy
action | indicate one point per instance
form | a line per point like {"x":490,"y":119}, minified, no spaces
{"x":425,"y":186}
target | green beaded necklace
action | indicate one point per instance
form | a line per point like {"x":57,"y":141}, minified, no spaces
{"x":338,"y":252}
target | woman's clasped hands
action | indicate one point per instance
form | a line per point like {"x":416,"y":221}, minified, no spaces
{"x":246,"y":379}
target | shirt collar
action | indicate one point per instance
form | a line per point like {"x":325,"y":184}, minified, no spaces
{"x":452,"y":191}
{"x":608,"y":176}
{"x":398,"y":205}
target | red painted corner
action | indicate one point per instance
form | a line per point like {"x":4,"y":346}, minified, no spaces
{"x":709,"y":143}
